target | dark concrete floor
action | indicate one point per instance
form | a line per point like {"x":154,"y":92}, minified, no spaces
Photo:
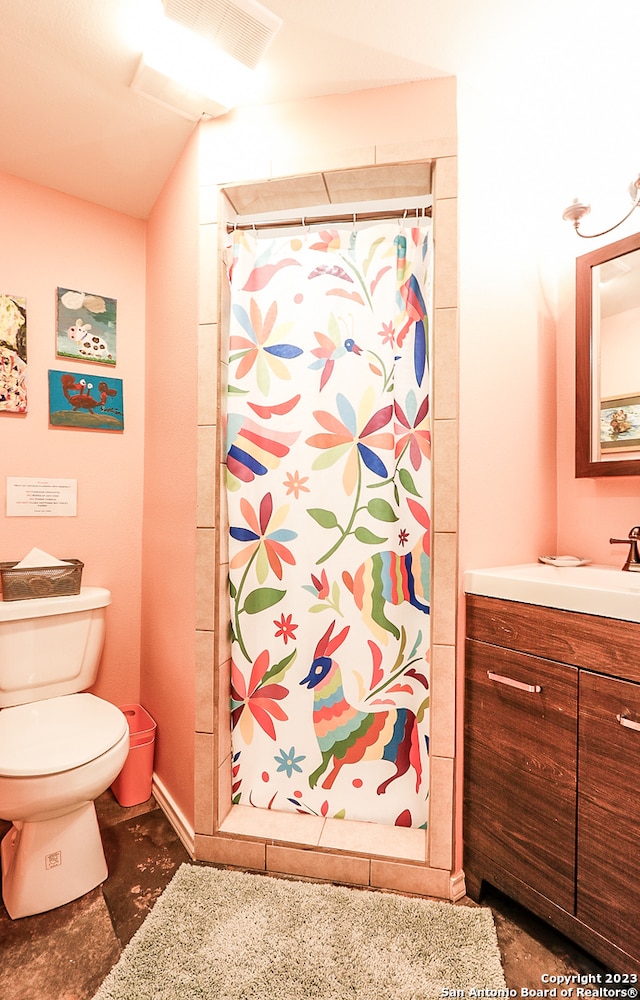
{"x":66,"y":953}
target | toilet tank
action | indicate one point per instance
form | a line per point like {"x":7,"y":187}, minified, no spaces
{"x":50,"y":646}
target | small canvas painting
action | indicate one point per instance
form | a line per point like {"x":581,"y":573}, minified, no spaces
{"x":83,"y":401}
{"x":86,"y":327}
{"x":13,"y":354}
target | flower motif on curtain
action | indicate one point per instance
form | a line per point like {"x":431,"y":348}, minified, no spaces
{"x":413,"y":430}
{"x":263,"y":346}
{"x":258,"y":700}
{"x":343,"y":437}
{"x":265,"y":551}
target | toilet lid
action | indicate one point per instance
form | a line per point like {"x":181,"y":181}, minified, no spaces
{"x":57,"y":734}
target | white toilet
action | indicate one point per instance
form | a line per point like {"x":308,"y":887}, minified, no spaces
{"x":59,"y":749}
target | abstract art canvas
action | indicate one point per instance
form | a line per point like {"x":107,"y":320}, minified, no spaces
{"x":13,"y":354}
{"x":76,"y":401}
{"x":86,"y":327}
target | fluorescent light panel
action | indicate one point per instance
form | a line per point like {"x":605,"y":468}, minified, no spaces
{"x":185,"y":72}
{"x":168,"y":93}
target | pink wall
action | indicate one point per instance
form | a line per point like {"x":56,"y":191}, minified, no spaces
{"x":289,"y":138}
{"x":168,"y":606}
{"x":51,"y":240}
{"x":56,"y":240}
{"x":507,"y":362}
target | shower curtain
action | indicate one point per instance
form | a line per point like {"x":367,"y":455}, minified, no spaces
{"x":328,"y":471}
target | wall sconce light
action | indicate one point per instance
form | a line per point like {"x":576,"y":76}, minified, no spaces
{"x":577,"y":210}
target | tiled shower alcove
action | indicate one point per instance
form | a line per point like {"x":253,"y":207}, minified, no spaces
{"x":366,"y":854}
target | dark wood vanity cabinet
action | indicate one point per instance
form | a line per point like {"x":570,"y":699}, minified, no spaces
{"x":552,"y":770}
{"x":608,"y":890}
{"x":521,"y":765}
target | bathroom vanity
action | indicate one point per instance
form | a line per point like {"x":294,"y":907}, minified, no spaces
{"x":552,"y":750}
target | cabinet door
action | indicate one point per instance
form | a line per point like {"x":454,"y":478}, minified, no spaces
{"x":609,"y":809}
{"x":520,"y":767}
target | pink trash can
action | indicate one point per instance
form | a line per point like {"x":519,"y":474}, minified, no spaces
{"x":133,"y":784}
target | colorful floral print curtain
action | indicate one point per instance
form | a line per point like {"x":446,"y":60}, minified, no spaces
{"x":329,"y":484}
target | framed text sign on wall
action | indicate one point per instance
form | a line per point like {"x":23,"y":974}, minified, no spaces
{"x":33,"y":497}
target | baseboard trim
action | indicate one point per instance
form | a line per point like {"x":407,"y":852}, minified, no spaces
{"x":457,"y":886}
{"x":176,"y":817}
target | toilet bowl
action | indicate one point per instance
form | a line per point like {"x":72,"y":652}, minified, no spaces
{"x":56,"y":757}
{"x":60,"y":747}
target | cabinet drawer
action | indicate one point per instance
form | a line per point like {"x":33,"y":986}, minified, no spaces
{"x":608,"y":894}
{"x":520,"y":767}
{"x":604,"y":645}
{"x":524,"y":709}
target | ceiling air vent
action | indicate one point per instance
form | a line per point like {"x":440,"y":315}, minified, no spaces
{"x":242,"y":28}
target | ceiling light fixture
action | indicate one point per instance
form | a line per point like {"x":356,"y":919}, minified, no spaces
{"x":577,"y":210}
{"x":242,"y":28}
{"x":200,"y":56}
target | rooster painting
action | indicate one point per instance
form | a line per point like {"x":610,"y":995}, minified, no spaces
{"x":348,"y":735}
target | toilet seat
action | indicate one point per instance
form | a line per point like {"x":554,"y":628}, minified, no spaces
{"x":58,"y":734}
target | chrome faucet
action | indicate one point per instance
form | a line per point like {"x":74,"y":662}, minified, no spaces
{"x":633,"y":558}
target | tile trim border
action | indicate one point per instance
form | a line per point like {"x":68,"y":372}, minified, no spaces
{"x":213,"y":784}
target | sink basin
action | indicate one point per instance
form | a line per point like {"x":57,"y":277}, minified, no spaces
{"x":593,"y":590}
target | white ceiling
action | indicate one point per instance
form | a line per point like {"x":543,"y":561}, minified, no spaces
{"x":70,"y":121}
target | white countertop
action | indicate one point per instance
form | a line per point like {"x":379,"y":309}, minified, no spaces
{"x":592,"y":590}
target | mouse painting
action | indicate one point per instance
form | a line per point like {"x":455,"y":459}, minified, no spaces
{"x":86,"y":327}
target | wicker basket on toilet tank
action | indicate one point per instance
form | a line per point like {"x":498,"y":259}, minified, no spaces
{"x":24,"y":583}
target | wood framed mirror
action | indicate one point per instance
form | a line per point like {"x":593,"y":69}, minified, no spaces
{"x":608,"y":360}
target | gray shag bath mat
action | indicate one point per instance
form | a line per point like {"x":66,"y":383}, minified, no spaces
{"x":228,"y":935}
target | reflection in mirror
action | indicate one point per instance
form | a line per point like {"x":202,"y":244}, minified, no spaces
{"x":608,"y":360}
{"x":616,"y":304}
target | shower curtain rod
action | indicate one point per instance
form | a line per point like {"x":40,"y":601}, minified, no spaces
{"x":319,"y":220}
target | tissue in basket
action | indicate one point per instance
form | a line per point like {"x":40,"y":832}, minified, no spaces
{"x":23,"y":583}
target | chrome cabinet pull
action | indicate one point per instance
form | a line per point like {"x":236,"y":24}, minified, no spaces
{"x":520,"y":685}
{"x":628,"y":723}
